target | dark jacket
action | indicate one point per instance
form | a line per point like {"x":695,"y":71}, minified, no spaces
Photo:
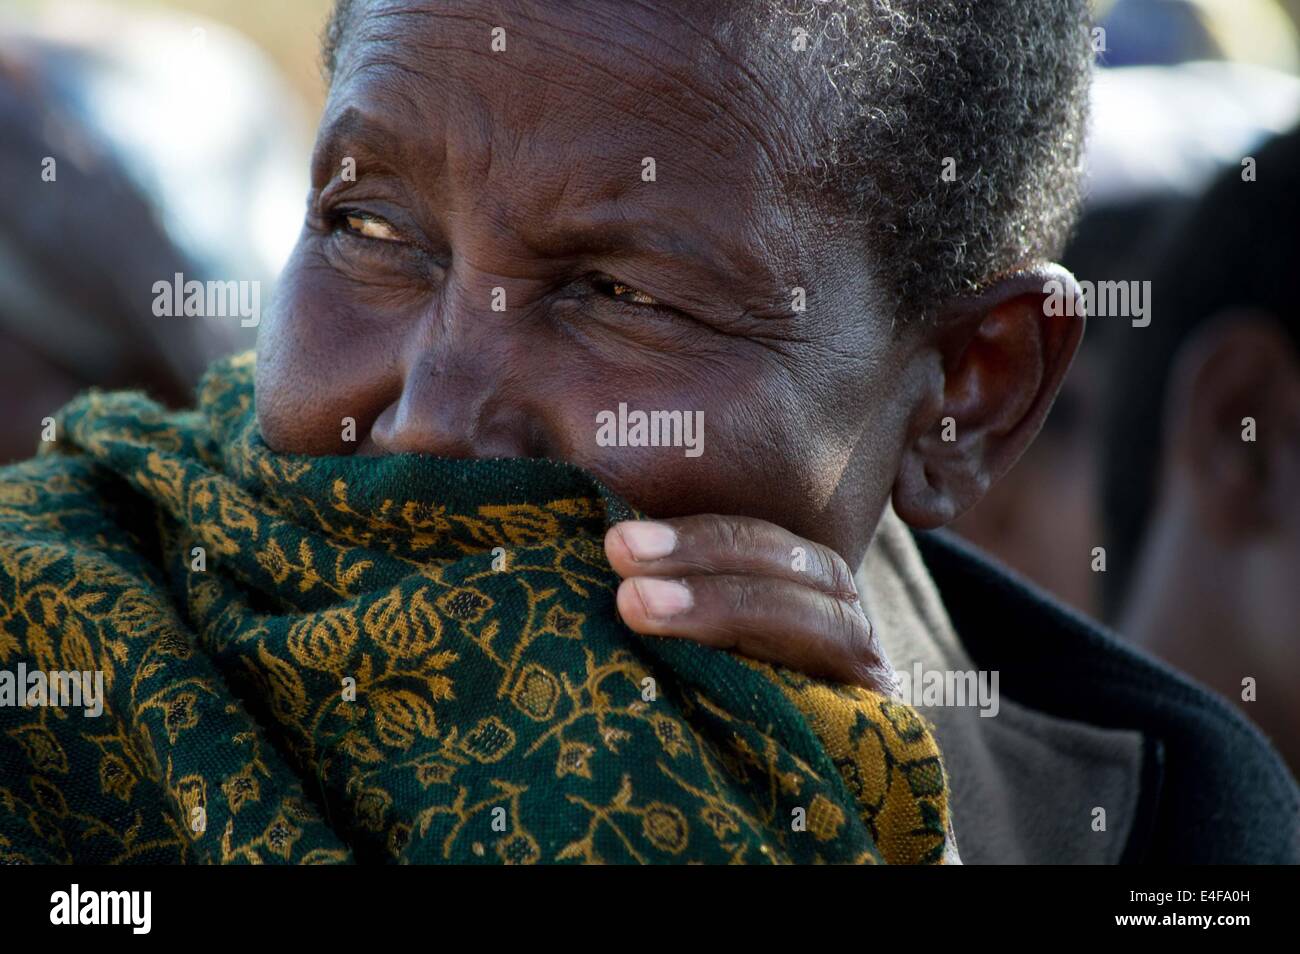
{"x":1213,"y":790}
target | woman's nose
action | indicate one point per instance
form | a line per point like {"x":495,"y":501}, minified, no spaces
{"x":456,"y":395}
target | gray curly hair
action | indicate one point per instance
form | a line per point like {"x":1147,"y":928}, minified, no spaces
{"x":994,"y":91}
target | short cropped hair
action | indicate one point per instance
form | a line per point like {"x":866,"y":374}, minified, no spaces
{"x":994,"y":91}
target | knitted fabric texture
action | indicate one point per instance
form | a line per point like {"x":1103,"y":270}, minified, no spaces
{"x":403,"y":659}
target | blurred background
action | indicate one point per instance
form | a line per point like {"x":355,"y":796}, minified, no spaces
{"x":181,"y":133}
{"x":183,"y":130}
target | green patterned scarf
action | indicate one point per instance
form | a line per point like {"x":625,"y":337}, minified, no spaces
{"x":391,"y":659}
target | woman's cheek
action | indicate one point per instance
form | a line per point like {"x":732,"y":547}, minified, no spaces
{"x":318,"y":380}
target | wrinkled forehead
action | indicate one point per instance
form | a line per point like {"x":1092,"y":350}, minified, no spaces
{"x":576,"y":95}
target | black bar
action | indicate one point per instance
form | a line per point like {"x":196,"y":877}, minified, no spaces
{"x":330,"y":905}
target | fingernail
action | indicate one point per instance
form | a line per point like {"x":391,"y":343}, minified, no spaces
{"x":648,"y":540}
{"x":663,"y":598}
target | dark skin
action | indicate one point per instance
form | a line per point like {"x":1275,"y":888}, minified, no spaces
{"x":522,"y":170}
{"x":1215,"y":585}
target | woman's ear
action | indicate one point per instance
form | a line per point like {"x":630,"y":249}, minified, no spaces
{"x":999,"y":358}
{"x":1232,"y":424}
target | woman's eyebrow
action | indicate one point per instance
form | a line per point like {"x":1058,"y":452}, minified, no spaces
{"x":353,"y":131}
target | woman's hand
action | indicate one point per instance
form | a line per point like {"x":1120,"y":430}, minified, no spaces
{"x":748,"y":585}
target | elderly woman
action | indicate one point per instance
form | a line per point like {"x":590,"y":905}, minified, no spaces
{"x":775,"y":279}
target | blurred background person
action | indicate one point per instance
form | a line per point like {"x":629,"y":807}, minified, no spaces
{"x":77,"y":260}
{"x":1201,"y":483}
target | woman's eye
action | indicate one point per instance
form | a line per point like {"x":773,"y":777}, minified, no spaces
{"x":370,"y":226}
{"x":627,"y":293}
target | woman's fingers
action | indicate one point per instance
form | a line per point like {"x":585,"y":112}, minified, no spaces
{"x":712,"y":544}
{"x":775,"y":620}
{"x":746,"y":584}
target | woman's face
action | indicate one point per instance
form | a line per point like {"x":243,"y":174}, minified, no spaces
{"x":506,"y":264}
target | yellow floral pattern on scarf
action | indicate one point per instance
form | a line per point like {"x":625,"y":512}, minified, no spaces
{"x":403,"y":659}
